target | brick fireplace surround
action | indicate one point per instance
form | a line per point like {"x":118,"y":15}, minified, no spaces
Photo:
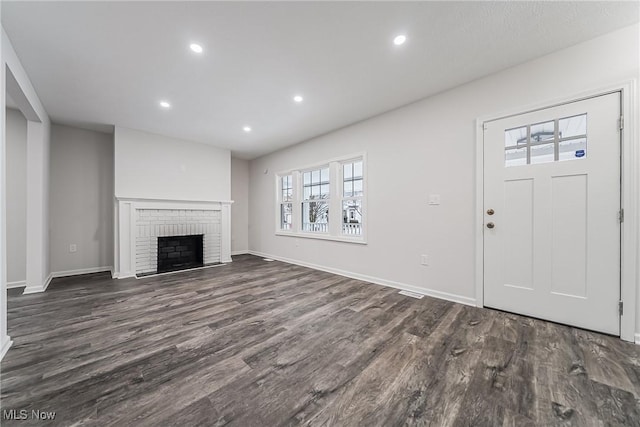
{"x":139,"y":223}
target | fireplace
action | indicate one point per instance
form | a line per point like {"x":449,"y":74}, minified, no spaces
{"x":180,"y":252}
{"x":140,"y":222}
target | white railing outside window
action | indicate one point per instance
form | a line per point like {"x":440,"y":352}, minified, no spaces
{"x":317,"y":227}
{"x":352,"y":229}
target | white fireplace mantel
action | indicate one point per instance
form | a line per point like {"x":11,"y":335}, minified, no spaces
{"x":125,"y":228}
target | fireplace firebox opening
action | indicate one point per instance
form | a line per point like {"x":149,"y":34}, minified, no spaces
{"x":180,"y":252}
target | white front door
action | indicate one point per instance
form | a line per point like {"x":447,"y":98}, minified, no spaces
{"x":551,"y":214}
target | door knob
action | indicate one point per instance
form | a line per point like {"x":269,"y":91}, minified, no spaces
{"x":490,"y":225}
{"x":490,"y":211}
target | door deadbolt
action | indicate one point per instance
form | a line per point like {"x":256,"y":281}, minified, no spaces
{"x":490,"y":211}
{"x":490,"y":225}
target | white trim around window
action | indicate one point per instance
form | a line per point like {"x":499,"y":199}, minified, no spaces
{"x":309,"y":191}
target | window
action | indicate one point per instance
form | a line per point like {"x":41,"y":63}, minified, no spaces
{"x":315,"y":200}
{"x":286,"y":202}
{"x":353,"y":190}
{"x":326,"y":201}
{"x":553,"y":141}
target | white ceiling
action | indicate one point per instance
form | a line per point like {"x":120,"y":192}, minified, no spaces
{"x":98,"y":64}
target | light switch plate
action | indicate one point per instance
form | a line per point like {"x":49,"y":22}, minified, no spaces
{"x":434,"y":199}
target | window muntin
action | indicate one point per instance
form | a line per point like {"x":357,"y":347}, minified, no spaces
{"x":315,"y":200}
{"x":552,"y":141}
{"x":352,"y":192}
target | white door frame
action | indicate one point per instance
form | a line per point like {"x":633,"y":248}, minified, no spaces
{"x":630,"y":187}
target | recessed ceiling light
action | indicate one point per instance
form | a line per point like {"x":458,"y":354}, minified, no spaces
{"x":195,"y":47}
{"x":165,"y":104}
{"x":398,"y":40}
{"x":298,"y":98}
{"x":247,"y":129}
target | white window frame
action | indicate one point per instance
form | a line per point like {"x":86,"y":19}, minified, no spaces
{"x":281,"y":202}
{"x":336,"y":196}
{"x":353,"y":197}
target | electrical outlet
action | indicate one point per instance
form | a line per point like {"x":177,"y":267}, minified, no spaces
{"x":424,"y":259}
{"x":73,"y":248}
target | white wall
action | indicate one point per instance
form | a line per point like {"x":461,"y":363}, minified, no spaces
{"x":81,"y":199}
{"x":16,"y":140}
{"x":240,"y":206}
{"x":158,"y":167}
{"x":429,"y":148}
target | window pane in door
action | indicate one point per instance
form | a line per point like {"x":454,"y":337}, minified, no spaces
{"x":572,"y":126}
{"x":542,"y":154}
{"x":513,"y":137}
{"x":515,"y":157}
{"x":573,"y":149}
{"x":543,"y":132}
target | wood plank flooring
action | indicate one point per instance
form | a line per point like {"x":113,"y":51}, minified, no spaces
{"x":258,"y":343}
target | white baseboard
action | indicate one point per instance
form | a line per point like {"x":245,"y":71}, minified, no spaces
{"x":389,"y":283}
{"x":36,"y":289}
{"x":78,"y":272}
{"x":239,"y":252}
{"x":5,"y":346}
{"x":637,"y":338}
{"x":18,"y":284}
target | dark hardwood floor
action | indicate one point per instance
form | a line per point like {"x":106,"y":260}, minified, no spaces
{"x":258,"y":343}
